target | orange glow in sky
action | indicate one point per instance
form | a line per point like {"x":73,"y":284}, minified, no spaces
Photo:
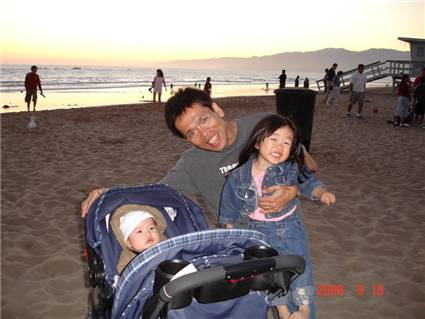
{"x":139,"y":33}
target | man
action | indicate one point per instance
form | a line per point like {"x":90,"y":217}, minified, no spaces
{"x":282,"y":80}
{"x":191,"y":114}
{"x":357,"y":90}
{"x":32,"y":81}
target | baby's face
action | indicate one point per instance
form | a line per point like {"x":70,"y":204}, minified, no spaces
{"x":145,"y":235}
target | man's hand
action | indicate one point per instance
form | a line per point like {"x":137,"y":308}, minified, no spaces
{"x":279,"y":198}
{"x":94,"y":194}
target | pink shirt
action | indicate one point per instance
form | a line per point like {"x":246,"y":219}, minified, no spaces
{"x":258,"y":214}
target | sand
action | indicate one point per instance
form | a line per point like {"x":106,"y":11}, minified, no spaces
{"x":371,"y":239}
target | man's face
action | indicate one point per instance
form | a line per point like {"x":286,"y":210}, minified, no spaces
{"x":203,"y":127}
{"x":361,"y":69}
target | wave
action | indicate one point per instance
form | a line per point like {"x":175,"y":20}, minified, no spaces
{"x":90,"y":77}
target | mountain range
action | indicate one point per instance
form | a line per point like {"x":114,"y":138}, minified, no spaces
{"x":311,"y":61}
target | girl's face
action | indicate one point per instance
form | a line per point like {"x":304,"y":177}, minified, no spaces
{"x":275,"y":149}
{"x":145,"y":235}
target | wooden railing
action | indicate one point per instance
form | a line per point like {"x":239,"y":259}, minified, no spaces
{"x":379,"y":70}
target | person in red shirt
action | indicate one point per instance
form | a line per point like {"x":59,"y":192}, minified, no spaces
{"x":32,"y":81}
{"x":419,"y":78}
{"x":403,"y":102}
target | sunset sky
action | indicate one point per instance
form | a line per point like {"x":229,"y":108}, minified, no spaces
{"x":139,"y":33}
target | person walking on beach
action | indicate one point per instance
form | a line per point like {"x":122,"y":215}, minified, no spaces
{"x":330,"y":81}
{"x":157,"y":83}
{"x":297,"y":81}
{"x":208,"y":86}
{"x":333,"y":97}
{"x":32,"y":82}
{"x":306,"y":83}
{"x":357,"y":90}
{"x":403,"y":101}
{"x":273,"y":154}
{"x":325,"y":81}
{"x":282,"y":80}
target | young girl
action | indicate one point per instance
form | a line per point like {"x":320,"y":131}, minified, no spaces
{"x":157,"y":83}
{"x":273,"y":155}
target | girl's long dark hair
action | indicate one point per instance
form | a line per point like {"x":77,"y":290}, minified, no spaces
{"x":266,"y":127}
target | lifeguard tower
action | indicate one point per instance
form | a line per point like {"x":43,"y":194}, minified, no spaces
{"x":417,"y":53}
{"x":390,"y":68}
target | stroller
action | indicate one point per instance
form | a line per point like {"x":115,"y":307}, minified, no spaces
{"x":234,"y":273}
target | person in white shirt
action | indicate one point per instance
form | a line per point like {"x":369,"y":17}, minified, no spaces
{"x":157,"y":83}
{"x":357,"y":90}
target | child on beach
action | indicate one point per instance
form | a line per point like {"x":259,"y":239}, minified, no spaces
{"x":157,"y":83}
{"x":136,"y":227}
{"x":273,"y":155}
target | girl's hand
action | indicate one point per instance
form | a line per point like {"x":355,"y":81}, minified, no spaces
{"x":328,"y":198}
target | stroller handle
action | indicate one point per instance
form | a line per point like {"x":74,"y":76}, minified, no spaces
{"x":240,"y":271}
{"x":191,"y":281}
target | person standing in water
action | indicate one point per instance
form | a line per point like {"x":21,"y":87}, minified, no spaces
{"x":208,"y":86}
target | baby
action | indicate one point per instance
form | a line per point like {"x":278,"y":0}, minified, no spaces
{"x":136,"y":227}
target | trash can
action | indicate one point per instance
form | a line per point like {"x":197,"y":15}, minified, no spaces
{"x":298,"y":105}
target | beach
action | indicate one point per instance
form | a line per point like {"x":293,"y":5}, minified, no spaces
{"x":367,"y":250}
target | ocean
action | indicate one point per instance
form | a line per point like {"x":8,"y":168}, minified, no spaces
{"x":84,"y":86}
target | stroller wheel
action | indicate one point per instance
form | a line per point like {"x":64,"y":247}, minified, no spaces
{"x":101,"y":305}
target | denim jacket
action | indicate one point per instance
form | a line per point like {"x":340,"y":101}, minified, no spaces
{"x":240,"y":198}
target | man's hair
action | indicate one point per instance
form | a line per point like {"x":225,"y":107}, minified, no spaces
{"x":177,"y":104}
{"x":360,"y":66}
{"x":34,"y":67}
{"x":335,"y":64}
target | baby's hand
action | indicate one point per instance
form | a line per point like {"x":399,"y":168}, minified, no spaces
{"x":328,"y":198}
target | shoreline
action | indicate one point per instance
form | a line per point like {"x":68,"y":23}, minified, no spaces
{"x":231,"y":91}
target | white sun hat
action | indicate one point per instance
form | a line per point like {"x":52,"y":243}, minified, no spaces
{"x":130,"y":221}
